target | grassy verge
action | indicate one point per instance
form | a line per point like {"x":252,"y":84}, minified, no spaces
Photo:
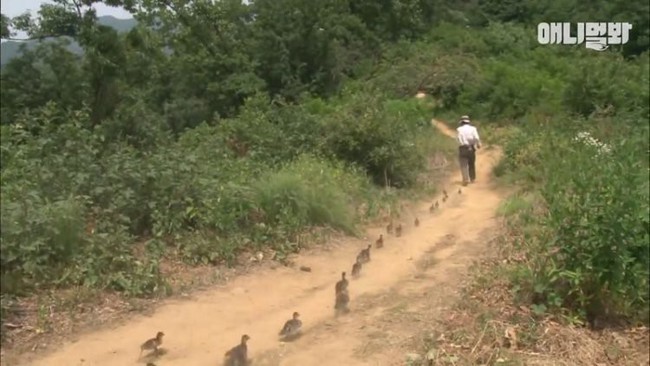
{"x":495,"y":325}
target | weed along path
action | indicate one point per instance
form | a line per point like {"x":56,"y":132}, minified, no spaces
{"x":387,"y":302}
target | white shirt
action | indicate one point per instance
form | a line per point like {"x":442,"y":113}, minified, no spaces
{"x":467,"y":135}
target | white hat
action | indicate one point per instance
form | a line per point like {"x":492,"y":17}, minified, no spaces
{"x":464,"y":119}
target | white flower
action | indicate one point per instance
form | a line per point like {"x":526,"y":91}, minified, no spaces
{"x":587,"y":139}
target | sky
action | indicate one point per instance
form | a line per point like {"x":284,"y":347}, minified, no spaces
{"x":12,"y":8}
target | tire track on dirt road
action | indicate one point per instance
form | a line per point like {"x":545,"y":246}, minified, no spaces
{"x":426,"y":262}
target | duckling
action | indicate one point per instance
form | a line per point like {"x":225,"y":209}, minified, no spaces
{"x":238,"y":355}
{"x":444,"y":193}
{"x":459,"y":191}
{"x":389,"y":228}
{"x":364,"y":255}
{"x":356,"y":269}
{"x":342,"y":284}
{"x":432,"y":208}
{"x":342,"y":302}
{"x":417,"y":222}
{"x":444,"y":199}
{"x":152,"y":344}
{"x":437,"y":205}
{"x":360,"y":258}
{"x":380,"y":242}
{"x":398,"y":230}
{"x":291,"y":327}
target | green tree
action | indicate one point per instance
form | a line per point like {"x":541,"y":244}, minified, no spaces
{"x":211,"y":52}
{"x":313,"y":48}
{"x":47,"y":73}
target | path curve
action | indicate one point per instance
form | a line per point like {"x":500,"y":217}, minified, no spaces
{"x":200,"y":329}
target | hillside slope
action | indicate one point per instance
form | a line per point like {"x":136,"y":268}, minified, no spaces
{"x":11,"y":49}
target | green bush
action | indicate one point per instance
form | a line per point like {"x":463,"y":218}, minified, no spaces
{"x":599,"y":213}
{"x":596,"y":196}
{"x":607,"y":82}
{"x":380,"y":136}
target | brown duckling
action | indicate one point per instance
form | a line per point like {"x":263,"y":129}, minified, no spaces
{"x":364,"y":255}
{"x":342,"y":302}
{"x":152,"y":344}
{"x":417,"y":222}
{"x":356,"y":269}
{"x":398,"y":230}
{"x":437,"y":205}
{"x":444,"y":193}
{"x":432,"y":208}
{"x":389,"y":228}
{"x":380,"y":242}
{"x":291,"y":327}
{"x":459,"y":191}
{"x":342,"y":284}
{"x":238,"y":355}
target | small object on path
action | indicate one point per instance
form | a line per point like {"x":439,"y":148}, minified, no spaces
{"x":152,"y":344}
{"x":356,"y":269}
{"x":291,"y":327}
{"x":364,"y":255}
{"x":398,"y":230}
{"x":12,"y":326}
{"x":510,"y":338}
{"x":417,"y":222}
{"x":380,"y":242}
{"x":342,"y":284}
{"x":305,"y":269}
{"x":238,"y":355}
{"x":389,"y":228}
{"x":342,"y":302}
{"x":459,"y":191}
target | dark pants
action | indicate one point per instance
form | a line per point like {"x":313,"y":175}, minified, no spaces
{"x":467,"y":159}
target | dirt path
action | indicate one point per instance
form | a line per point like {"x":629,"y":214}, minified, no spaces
{"x":426,"y":264}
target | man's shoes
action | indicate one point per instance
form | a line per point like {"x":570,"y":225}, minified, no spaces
{"x":464,"y":184}
{"x":473,"y":181}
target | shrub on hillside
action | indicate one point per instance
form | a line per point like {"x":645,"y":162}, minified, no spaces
{"x":380,"y":136}
{"x":601,"y":81}
{"x":600,"y":215}
{"x":517,"y":77}
{"x":596,"y":194}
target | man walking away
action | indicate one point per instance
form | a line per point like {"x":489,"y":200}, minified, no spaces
{"x":469,"y":142}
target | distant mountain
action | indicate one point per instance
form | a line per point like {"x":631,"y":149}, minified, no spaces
{"x":11,"y":49}
{"x":120,"y":25}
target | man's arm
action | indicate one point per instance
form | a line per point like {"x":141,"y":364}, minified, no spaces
{"x":459,"y":137}
{"x":478,"y":139}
